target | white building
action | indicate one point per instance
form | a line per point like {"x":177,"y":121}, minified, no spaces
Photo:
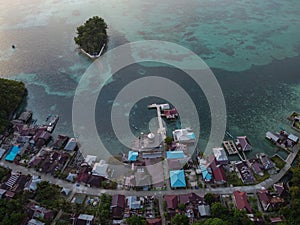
{"x":100,"y":169}
{"x":184,"y":135}
{"x":220,"y":155}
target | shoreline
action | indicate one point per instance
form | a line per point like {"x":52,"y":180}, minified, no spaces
{"x":93,"y":56}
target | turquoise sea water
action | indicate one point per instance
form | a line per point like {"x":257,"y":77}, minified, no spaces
{"x":252,"y":47}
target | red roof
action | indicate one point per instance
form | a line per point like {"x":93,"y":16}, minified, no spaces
{"x":118,"y":201}
{"x":83,"y":177}
{"x":241,"y":200}
{"x":244,"y":143}
{"x":156,"y":221}
{"x":184,"y":199}
{"x":279,"y":188}
{"x":218,"y":171}
{"x":263,"y":196}
{"x":172,"y":201}
{"x":172,"y":113}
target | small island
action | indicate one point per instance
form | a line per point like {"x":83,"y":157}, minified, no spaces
{"x":92,"y":37}
{"x":11,"y":96}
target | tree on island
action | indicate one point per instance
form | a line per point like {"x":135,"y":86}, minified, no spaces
{"x":91,"y":36}
{"x":11,"y":96}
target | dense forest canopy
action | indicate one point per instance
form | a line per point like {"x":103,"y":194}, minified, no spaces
{"x":11,"y":95}
{"x":92,"y":35}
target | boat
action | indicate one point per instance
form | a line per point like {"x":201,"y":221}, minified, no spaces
{"x":134,"y":126}
{"x":228,"y":134}
{"x":51,"y":122}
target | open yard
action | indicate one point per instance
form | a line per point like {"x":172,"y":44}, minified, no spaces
{"x":278,"y":161}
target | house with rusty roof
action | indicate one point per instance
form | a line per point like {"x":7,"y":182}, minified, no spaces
{"x":172,"y":201}
{"x":269,"y":200}
{"x":25,"y":117}
{"x":245,"y":172}
{"x":241,"y":201}
{"x":172,"y":205}
{"x":117,"y":206}
{"x":156,"y":221}
{"x":15,"y":182}
{"x":264,"y":198}
{"x":280,"y":189}
{"x":84,"y":219}
{"x":36,"y":211}
{"x":60,"y":142}
{"x":243,"y":143}
{"x":257,"y":166}
{"x":217,"y":171}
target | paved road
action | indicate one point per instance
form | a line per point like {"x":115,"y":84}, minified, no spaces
{"x":159,"y":194}
{"x":161,"y":209}
{"x":97,"y":191}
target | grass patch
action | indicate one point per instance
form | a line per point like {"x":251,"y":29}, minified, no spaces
{"x":278,"y":161}
{"x":233,"y":178}
{"x":297,"y":125}
{"x":4,"y":173}
{"x":261,"y":178}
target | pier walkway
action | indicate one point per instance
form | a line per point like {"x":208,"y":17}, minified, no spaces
{"x":93,"y":56}
{"x":161,"y":129}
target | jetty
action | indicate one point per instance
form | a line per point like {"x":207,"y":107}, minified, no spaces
{"x":230,"y":147}
{"x":161,"y":130}
{"x":94,"y":56}
{"x":51,"y":122}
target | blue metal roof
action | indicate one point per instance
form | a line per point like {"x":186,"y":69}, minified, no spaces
{"x":177,"y":178}
{"x":71,"y":145}
{"x":206,"y":175}
{"x":13,"y":153}
{"x":132,"y":156}
{"x":175,"y":155}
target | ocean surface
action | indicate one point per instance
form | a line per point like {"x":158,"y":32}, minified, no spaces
{"x":252,"y":46}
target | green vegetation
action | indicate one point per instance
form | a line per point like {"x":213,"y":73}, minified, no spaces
{"x":11,"y":95}
{"x":218,"y":210}
{"x":181,"y":206}
{"x":261,"y":178}
{"x":62,"y":222}
{"x":103,"y":214}
{"x":136,"y":220}
{"x":179,"y":219}
{"x":49,"y":196}
{"x":92,"y":35}
{"x":4,"y":173}
{"x":239,"y":217}
{"x":297,"y":124}
{"x":221,"y":215}
{"x":233,"y":178}
{"x":168,"y":140}
{"x":12,"y":211}
{"x":209,"y":198}
{"x":101,"y":211}
{"x":294,"y":114}
{"x":214,"y":221}
{"x":278,"y":161}
{"x":292,"y":211}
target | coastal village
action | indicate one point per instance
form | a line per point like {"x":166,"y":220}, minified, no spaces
{"x":165,"y":180}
